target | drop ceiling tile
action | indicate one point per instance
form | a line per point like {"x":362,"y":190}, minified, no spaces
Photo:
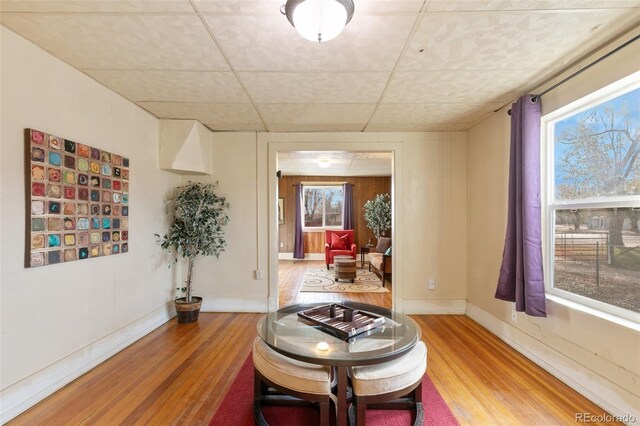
{"x":240,"y":7}
{"x":387,"y":6}
{"x":268,"y":7}
{"x":418,"y":127}
{"x":432,"y":113}
{"x":373,"y":156}
{"x":122,"y":40}
{"x":509,"y":40}
{"x":370,"y":162}
{"x":271,"y":87}
{"x":370,"y":171}
{"x":315,"y":117}
{"x":318,"y":171}
{"x":215,"y":116}
{"x":176,"y":86}
{"x":284,"y":163}
{"x":318,"y":155}
{"x":313,"y":127}
{"x":234,"y":127}
{"x":342,"y":163}
{"x":464,"y":5}
{"x":459,"y":86}
{"x":270,"y":43}
{"x":334,"y":162}
{"x":96,"y":6}
{"x":288,"y":170}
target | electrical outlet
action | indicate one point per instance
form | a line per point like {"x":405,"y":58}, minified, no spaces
{"x":431,"y":284}
{"x":258,"y":274}
{"x":514,"y":316}
{"x":281,"y":245}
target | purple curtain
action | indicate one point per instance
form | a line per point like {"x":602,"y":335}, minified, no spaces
{"x":521,"y":276}
{"x":298,"y":242}
{"x":347,"y":206}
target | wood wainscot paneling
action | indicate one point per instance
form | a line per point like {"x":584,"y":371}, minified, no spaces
{"x":364,"y":189}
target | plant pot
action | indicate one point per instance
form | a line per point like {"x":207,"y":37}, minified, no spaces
{"x":188,"y":312}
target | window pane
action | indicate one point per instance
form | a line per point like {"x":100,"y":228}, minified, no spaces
{"x":333,"y":206}
{"x":312,"y":207}
{"x":596,"y":150}
{"x":597,"y":255}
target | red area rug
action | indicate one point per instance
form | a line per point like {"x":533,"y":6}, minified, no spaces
{"x":237,"y":408}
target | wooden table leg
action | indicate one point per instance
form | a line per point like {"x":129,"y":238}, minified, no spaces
{"x":342,"y":396}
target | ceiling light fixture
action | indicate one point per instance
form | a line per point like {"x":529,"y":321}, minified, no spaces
{"x":318,"y":20}
{"x":324,"y":163}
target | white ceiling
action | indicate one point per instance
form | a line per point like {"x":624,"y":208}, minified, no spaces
{"x":400,"y":65}
{"x":340,"y":163}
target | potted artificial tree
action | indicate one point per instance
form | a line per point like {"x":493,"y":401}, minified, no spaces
{"x":196,"y":229}
{"x":377,"y":214}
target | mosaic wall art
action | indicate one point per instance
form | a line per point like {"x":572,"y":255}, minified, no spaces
{"x":77,"y":201}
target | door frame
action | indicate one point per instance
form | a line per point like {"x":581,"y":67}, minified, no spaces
{"x":272,"y":143}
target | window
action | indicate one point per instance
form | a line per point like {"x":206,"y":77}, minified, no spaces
{"x":322,"y":206}
{"x":593,"y":200}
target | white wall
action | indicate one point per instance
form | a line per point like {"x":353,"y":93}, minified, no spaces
{"x":599,"y":358}
{"x":429,"y":190}
{"x":229,"y":283}
{"x":58,"y":320}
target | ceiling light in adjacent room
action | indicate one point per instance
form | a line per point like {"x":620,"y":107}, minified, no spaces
{"x":318,"y":20}
{"x":324,"y":163}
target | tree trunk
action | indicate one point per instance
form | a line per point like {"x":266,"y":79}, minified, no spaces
{"x":616,"y":220}
{"x":576,"y":220}
{"x":634,"y":216}
{"x":188,"y":282}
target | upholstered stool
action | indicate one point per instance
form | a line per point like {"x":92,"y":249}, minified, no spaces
{"x":344,"y":268}
{"x":301,"y":382}
{"x":397,"y":384}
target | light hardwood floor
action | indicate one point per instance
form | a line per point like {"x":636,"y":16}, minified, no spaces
{"x":179,"y":374}
{"x":291,"y":273}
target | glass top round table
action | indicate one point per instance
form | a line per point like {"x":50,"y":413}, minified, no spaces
{"x":297,"y":338}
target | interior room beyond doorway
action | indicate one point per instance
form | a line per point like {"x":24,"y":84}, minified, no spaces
{"x":323,"y":175}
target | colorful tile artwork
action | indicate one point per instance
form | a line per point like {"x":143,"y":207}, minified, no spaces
{"x":78,"y":198}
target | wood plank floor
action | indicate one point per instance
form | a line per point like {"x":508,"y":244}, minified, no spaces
{"x":179,"y":374}
{"x":291,"y":274}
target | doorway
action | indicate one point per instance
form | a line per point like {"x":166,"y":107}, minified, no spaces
{"x":322,"y":174}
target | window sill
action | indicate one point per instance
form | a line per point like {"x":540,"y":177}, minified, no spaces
{"x":594,"y":312}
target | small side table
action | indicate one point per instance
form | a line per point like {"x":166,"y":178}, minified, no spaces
{"x":344,"y":268}
{"x":364,"y":250}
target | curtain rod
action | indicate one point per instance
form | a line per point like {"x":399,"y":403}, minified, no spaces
{"x":581,"y":70}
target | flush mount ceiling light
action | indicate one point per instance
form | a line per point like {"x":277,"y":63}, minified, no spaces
{"x":318,"y":20}
{"x":324,"y":163}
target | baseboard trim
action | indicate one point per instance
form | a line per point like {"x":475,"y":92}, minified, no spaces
{"x":434,"y":307}
{"x":307,"y":256}
{"x":604,"y":393}
{"x":234,"y":305}
{"x":26,"y":393}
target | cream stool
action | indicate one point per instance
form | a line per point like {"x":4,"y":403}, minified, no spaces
{"x":301,"y":382}
{"x":397,"y":384}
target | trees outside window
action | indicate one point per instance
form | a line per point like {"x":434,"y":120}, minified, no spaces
{"x":322,"y":206}
{"x":593,"y":200}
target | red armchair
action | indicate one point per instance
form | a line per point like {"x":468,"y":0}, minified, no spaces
{"x":338,"y":243}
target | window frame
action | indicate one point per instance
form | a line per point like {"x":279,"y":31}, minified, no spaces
{"x":323,"y":227}
{"x":550,"y":205}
